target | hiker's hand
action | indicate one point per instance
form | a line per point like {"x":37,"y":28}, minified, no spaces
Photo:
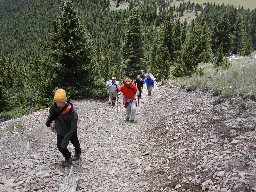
{"x":53,"y":130}
{"x":48,"y":124}
{"x":52,"y":124}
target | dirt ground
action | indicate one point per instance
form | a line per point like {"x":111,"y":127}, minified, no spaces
{"x":181,"y":141}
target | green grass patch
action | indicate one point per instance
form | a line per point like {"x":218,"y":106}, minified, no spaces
{"x":15,"y":128}
{"x":248,"y":4}
{"x":18,"y":128}
{"x":238,"y":80}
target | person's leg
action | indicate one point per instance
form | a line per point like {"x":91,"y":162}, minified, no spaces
{"x":133,"y":110}
{"x":140,"y":92}
{"x":109,"y":98}
{"x":114,"y":95}
{"x":128,"y":112}
{"x":150,"y":90}
{"x":75,"y":141}
{"x":65,"y":152}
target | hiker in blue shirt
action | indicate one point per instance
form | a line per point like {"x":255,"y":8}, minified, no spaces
{"x":149,"y":83}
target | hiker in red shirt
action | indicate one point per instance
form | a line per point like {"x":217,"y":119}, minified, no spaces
{"x":129,"y":90}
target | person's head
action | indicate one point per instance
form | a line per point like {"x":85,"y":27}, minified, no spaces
{"x":148,"y":76}
{"x":113,"y":79}
{"x":127,"y":80}
{"x":60,"y":97}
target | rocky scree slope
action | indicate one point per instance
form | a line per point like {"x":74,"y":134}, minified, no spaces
{"x":181,"y":141}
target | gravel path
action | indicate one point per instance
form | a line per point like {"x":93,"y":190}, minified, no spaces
{"x":181,"y":141}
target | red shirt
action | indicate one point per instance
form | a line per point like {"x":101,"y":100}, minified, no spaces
{"x":128,"y":93}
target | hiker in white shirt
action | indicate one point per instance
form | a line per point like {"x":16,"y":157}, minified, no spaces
{"x":112,"y":86}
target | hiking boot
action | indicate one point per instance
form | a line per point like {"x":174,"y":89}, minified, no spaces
{"x":67,"y":163}
{"x":76,"y":157}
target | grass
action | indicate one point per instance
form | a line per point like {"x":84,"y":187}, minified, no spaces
{"x":247,"y":4}
{"x":15,"y":128}
{"x":238,"y":80}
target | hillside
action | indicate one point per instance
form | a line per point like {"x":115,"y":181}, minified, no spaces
{"x":181,"y":141}
{"x":40,"y":52}
{"x":248,"y":4}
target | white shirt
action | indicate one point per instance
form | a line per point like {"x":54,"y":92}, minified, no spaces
{"x":112,"y":86}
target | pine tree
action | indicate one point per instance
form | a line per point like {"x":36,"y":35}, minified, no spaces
{"x":220,"y":59}
{"x":237,"y":36}
{"x":168,"y":38}
{"x":221,"y":34}
{"x":206,"y":51}
{"x":72,"y":51}
{"x":9,"y":81}
{"x":247,"y":48}
{"x":191,"y":51}
{"x":160,"y":55}
{"x":132,"y":48}
{"x":163,"y":63}
{"x":177,"y":39}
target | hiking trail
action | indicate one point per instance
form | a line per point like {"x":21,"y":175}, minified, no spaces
{"x":181,"y":141}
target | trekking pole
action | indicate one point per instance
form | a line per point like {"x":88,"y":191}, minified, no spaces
{"x":138,"y":100}
{"x":117,"y":103}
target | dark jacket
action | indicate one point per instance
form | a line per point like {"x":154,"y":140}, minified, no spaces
{"x":65,"y":123}
{"x":139,"y":83}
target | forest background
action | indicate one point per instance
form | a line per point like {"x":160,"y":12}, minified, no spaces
{"x":80,"y":44}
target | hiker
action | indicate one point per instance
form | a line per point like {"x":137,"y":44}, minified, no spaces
{"x":112,"y":86}
{"x":129,"y":90}
{"x":143,"y":73}
{"x":139,"y":83}
{"x":63,"y":120}
{"x":149,"y":83}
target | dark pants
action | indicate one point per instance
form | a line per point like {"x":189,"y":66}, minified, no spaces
{"x":140,"y":92}
{"x":74,"y":140}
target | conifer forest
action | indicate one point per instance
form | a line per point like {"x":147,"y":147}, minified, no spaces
{"x":80,"y":44}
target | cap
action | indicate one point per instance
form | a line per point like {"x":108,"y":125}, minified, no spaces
{"x":60,"y":96}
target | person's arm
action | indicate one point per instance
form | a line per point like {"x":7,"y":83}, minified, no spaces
{"x":120,"y":89}
{"x":117,"y":86}
{"x":137,"y":90}
{"x":52,"y":116}
{"x":146,"y":82}
{"x":107,"y":84}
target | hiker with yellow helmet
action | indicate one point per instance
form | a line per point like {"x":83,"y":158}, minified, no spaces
{"x":129,"y":90}
{"x":63,"y":120}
